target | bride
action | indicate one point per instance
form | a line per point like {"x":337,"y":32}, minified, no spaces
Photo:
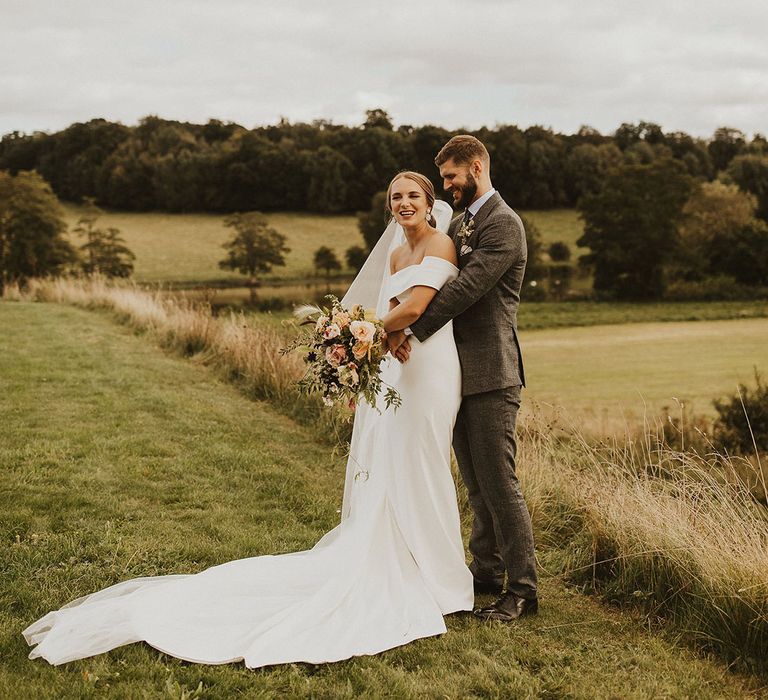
{"x":393,"y":567}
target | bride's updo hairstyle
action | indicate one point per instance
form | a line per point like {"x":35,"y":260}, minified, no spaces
{"x":422,"y":181}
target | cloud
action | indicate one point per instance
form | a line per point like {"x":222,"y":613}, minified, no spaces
{"x":688,"y":65}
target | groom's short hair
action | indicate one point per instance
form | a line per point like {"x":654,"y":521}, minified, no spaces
{"x":463,"y":149}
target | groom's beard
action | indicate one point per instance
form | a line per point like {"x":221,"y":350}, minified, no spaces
{"x":467,"y":193}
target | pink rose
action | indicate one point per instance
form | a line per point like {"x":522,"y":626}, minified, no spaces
{"x":341,"y":319}
{"x":335,"y":354}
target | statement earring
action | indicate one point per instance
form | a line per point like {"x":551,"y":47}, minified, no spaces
{"x":429,"y":215}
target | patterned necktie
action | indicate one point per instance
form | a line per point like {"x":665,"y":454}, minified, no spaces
{"x":467,"y":217}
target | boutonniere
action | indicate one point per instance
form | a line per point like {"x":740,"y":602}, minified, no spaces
{"x":466,"y":230}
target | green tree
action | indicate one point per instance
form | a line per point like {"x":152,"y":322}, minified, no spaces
{"x":331,"y":173}
{"x":32,"y":227}
{"x":712,"y":216}
{"x":373,"y":222}
{"x":743,"y":254}
{"x":725,"y":145}
{"x":509,"y":163}
{"x":325,"y":259}
{"x":104,"y":251}
{"x":627,"y":135}
{"x":631,"y":227}
{"x":587,"y":165}
{"x":254,"y":248}
{"x":377,"y":118}
{"x":750,"y":172}
{"x":74,"y":157}
{"x":356,"y":257}
{"x":559,"y":252}
{"x":545,"y":172}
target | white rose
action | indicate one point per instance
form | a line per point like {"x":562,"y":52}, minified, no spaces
{"x":348,"y":375}
{"x":362,"y":331}
{"x":332,"y":331}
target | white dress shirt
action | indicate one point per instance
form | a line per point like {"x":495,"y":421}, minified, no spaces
{"x":475,"y":206}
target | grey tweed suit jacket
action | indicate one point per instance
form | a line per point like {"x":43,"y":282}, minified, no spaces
{"x":483,"y":300}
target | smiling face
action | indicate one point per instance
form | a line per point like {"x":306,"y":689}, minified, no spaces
{"x":460,"y":182}
{"x":408,"y":202}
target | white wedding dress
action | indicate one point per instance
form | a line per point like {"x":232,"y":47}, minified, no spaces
{"x":386,"y":575}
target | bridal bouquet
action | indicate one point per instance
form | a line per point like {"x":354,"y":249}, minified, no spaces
{"x":344,"y":351}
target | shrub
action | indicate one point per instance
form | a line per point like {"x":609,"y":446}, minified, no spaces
{"x":720,"y":288}
{"x":533,"y":291}
{"x":742,"y":423}
{"x":559,"y":252}
{"x":356,"y":256}
{"x":273,"y":304}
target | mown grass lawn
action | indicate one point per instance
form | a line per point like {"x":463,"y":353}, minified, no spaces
{"x":120,"y":461}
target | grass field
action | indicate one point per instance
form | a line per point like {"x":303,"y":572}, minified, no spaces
{"x":121,"y":461}
{"x":549,"y":314}
{"x":186,"y":248}
{"x":605,"y":364}
{"x":183,"y":248}
{"x":538,"y":315}
{"x":558,"y":225}
{"x":615,"y":371}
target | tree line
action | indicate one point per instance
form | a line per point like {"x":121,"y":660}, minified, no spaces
{"x":323,"y":167}
{"x":664,"y":214}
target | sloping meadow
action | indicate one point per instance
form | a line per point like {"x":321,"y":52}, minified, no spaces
{"x":676,"y":532}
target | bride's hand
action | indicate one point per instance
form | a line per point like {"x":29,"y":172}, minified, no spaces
{"x":398,"y":344}
{"x":393,"y":341}
{"x":404,"y":351}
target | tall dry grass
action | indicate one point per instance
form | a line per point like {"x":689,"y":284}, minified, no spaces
{"x":632,"y":518}
{"x":678,"y":532}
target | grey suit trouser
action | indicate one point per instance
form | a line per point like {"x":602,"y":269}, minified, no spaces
{"x":485,"y":446}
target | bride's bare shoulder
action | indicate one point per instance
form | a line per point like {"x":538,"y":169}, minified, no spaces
{"x":394,"y":258}
{"x":442,"y":246}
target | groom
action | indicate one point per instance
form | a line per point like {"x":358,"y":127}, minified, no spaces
{"x":483,"y":301}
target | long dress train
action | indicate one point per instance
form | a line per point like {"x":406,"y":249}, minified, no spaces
{"x":383,"y":577}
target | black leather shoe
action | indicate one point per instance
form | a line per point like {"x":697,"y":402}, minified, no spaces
{"x":488,"y":587}
{"x":508,"y":608}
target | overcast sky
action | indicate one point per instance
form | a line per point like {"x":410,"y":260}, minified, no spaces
{"x":689,"y":65}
